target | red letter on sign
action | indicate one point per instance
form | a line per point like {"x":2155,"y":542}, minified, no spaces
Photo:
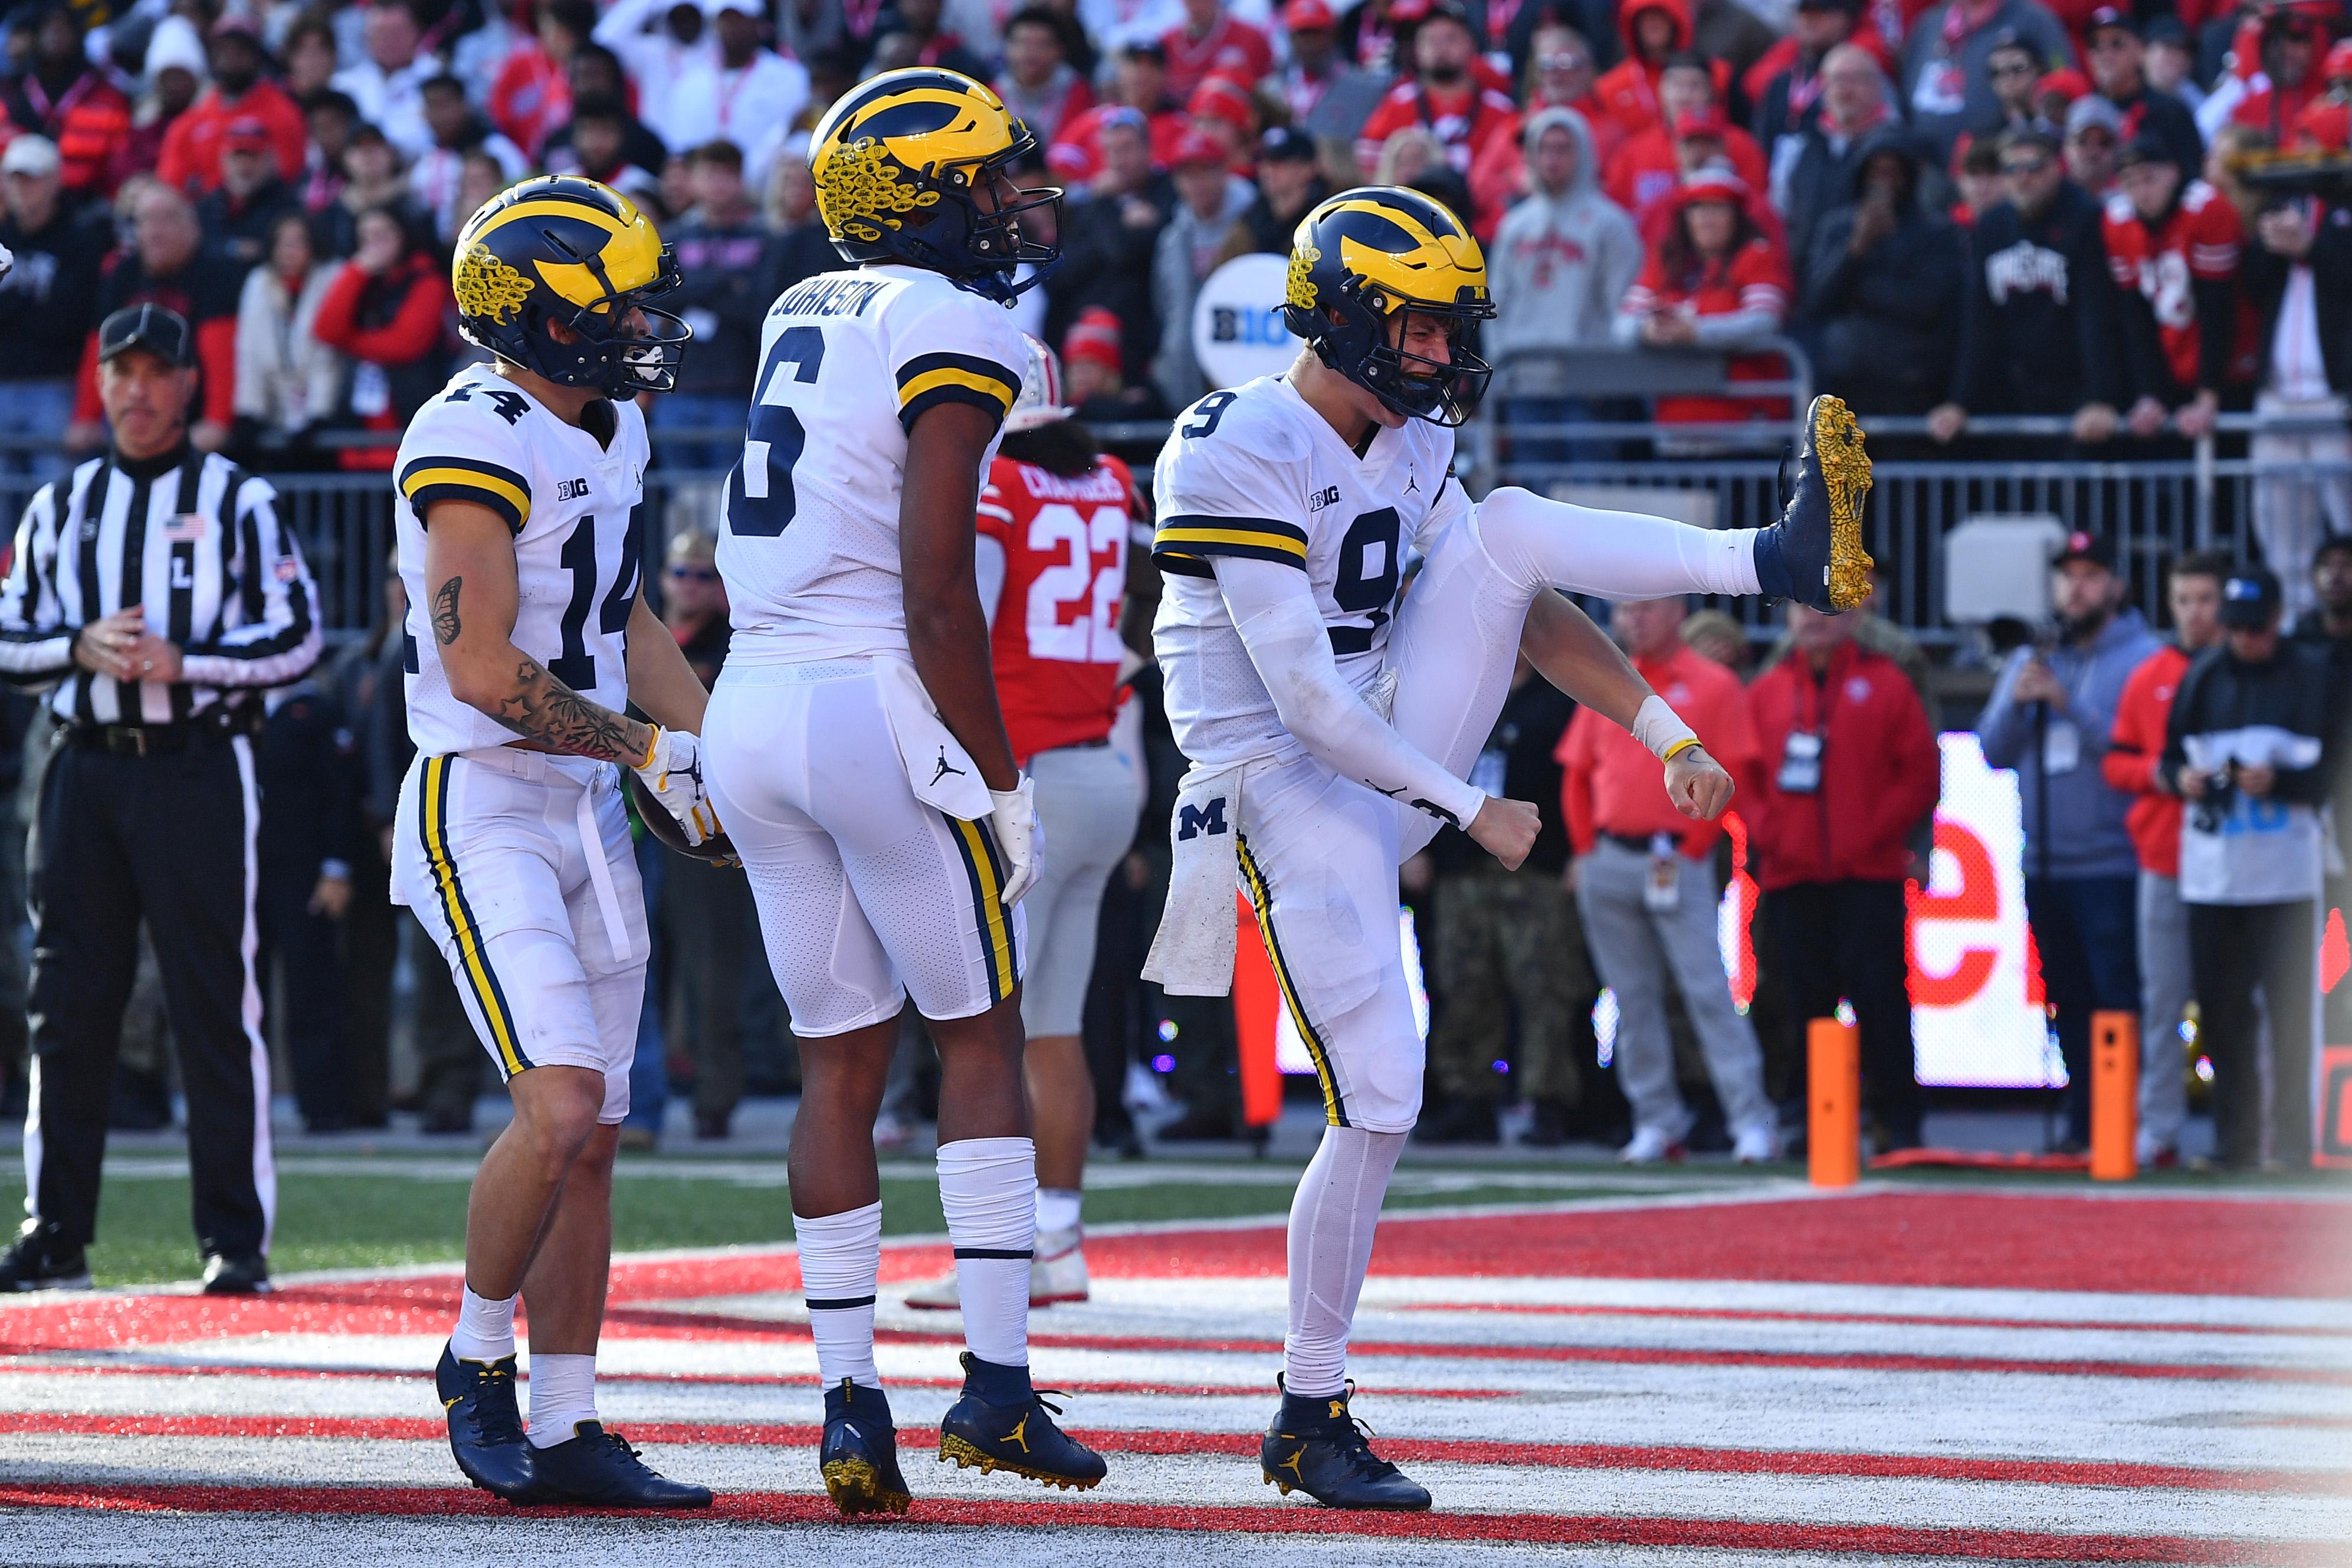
{"x":1977,"y":898}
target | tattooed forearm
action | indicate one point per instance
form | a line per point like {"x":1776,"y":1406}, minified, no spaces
{"x":545,"y":709}
{"x":445,"y":612}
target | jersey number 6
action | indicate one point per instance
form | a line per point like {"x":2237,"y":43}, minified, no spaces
{"x":760,"y":498}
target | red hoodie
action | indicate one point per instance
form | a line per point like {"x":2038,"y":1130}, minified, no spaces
{"x":1880,"y":771}
{"x":2135,"y":750}
{"x":1628,"y":90}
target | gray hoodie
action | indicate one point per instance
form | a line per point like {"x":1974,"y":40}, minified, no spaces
{"x":1559,"y":264}
{"x":2086,"y":831}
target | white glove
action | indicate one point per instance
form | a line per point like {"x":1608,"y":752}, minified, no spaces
{"x":1012,"y":814}
{"x":673,"y":772}
{"x":7,"y":261}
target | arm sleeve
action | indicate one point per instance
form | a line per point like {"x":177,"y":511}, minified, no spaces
{"x":276,"y":638}
{"x":2003,"y":727}
{"x":35,"y":646}
{"x":1274,"y":611}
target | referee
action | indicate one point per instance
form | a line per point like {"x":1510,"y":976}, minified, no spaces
{"x":154,"y":590}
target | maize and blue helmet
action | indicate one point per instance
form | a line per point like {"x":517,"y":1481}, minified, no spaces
{"x":564,"y":249}
{"x":1380,"y":252}
{"x":899,"y":161}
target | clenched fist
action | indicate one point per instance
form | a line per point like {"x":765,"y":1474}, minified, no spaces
{"x":1697,"y":784}
{"x":1506,"y":830}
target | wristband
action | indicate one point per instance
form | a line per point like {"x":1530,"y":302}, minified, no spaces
{"x":1661,"y":729}
{"x":1678,"y":748}
{"x":652,"y":745}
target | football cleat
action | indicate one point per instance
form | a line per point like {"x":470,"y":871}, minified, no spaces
{"x":1057,"y":1270}
{"x":35,"y":1260}
{"x":596,"y":1469}
{"x":1001,"y":1423}
{"x":859,"y":1454}
{"x":940,"y":1296}
{"x":1814,"y":553}
{"x":245,"y":1274}
{"x":1316,"y":1445}
{"x":485,"y":1428}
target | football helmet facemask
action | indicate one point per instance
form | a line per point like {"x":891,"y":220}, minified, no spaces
{"x":564,"y":249}
{"x":1364,"y":266}
{"x":903,"y":163}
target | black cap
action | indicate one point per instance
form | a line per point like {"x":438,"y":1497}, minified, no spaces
{"x":1282,"y":144}
{"x":2146,"y":148}
{"x":2081,"y":545}
{"x":2250,"y":598}
{"x":2164,"y":29}
{"x":2107,"y":16}
{"x":161,"y":331}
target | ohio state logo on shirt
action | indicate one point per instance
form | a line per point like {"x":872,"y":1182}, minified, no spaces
{"x":2025,"y":267}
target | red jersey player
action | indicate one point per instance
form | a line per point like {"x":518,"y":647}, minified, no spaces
{"x":2174,"y":245}
{"x":1055,"y":518}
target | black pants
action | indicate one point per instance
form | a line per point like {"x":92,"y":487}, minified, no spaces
{"x":2086,"y":930}
{"x":302,"y":952}
{"x":2232,"y":949}
{"x":1845,"y":938}
{"x":168,"y":837}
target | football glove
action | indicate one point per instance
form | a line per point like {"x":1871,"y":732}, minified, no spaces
{"x":1013,"y":813}
{"x":673,"y":772}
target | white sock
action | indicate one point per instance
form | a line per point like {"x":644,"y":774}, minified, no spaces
{"x":485,"y":1329}
{"x":1331,"y":1223}
{"x":563,"y":1394}
{"x":1057,"y":1208}
{"x":1543,"y":543}
{"x":988,"y":1188}
{"x":840,"y":1256}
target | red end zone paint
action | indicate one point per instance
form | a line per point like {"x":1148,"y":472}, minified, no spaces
{"x":1245,"y":1445}
{"x":777,"y":1508}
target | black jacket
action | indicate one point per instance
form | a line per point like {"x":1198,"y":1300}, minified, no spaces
{"x":2038,"y":316}
{"x":1107,"y":261}
{"x":1821,"y":179}
{"x":1886,"y":324}
{"x":307,"y":764}
{"x":2291,"y":691}
{"x":720,"y":272}
{"x":239,"y":230}
{"x":2164,"y":117}
{"x":1534,"y":717}
{"x":2263,"y":275}
{"x":49,"y":302}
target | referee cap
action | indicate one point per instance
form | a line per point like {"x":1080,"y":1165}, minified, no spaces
{"x":158,"y":329}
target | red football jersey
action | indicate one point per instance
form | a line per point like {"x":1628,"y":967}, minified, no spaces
{"x":2200,"y":239}
{"x":1055,"y":646}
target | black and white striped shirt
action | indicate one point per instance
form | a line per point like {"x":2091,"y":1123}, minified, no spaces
{"x":193,"y":539}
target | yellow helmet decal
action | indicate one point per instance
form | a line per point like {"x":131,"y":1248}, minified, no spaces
{"x":486,"y":286}
{"x":630,"y":258}
{"x":858,"y":192}
{"x":1436,"y":271}
{"x":1300,"y":289}
{"x":918,"y":121}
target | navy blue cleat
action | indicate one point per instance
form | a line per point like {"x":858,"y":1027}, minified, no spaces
{"x":596,"y":1469}
{"x":1316,"y":1445}
{"x":485,"y":1428}
{"x":1814,"y":553}
{"x":859,"y":1456}
{"x":1001,"y":1424}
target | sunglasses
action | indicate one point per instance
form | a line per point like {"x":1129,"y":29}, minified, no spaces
{"x":695,"y":574}
{"x":2025,"y":168}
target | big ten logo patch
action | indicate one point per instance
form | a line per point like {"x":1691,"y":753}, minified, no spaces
{"x":1194,"y":821}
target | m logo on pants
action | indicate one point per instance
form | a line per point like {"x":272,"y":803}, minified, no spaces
{"x":1191,"y":821}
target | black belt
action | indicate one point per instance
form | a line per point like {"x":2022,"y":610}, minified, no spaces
{"x":1639,"y":843}
{"x":219,"y":722}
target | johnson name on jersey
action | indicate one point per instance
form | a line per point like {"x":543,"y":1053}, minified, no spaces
{"x":1256,"y":472}
{"x":570,"y":500}
{"x":848,"y":360}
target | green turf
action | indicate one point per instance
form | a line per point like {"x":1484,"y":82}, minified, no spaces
{"x":365,"y":1221}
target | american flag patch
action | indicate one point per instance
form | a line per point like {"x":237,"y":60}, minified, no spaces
{"x":289,"y":569}
{"x":187,"y":528}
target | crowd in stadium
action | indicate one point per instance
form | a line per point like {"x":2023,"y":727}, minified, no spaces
{"x":1970,"y":208}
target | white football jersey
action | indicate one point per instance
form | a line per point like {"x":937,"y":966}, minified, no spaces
{"x":1256,"y":472}
{"x":573,"y":503}
{"x":809,"y":542}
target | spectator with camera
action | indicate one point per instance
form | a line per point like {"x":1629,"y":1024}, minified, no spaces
{"x":1882,"y":289}
{"x":2134,"y":763}
{"x":2245,"y":747}
{"x":2051,"y":717}
{"x":1848,"y":769}
{"x":2038,"y":316}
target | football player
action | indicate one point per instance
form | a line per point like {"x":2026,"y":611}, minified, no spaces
{"x":527,"y":637}
{"x":858,"y":756}
{"x":1287,"y":510}
{"x":1052,"y":564}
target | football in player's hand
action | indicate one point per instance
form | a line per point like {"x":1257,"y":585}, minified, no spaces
{"x":664,"y":827}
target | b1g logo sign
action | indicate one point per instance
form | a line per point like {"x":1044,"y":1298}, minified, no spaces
{"x":1237,"y":331}
{"x":1976,"y":1012}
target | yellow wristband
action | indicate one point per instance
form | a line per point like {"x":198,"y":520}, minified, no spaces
{"x":1679,"y":747}
{"x":653,"y":744}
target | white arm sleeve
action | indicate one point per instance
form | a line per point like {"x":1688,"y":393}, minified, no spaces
{"x":1274,"y":612}
{"x":988,"y":566}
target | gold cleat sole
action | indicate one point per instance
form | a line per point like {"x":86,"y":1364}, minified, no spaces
{"x":1267,"y":1476}
{"x":1845,"y":473}
{"x":857,"y":1489}
{"x":963,"y":1456}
